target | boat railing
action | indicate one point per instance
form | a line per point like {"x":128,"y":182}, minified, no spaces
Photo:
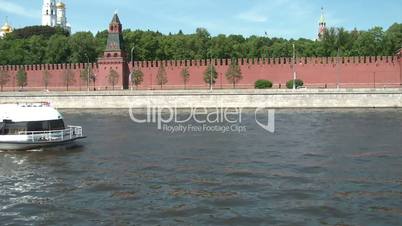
{"x":71,"y":132}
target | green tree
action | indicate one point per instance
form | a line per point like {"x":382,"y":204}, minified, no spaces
{"x":137,"y":78}
{"x":370,"y":43}
{"x":45,"y":31}
{"x":36,"y":50}
{"x":161,"y":77}
{"x":4,"y":79}
{"x":86,"y":75}
{"x":101,"y":39}
{"x":83,"y":47}
{"x":22,"y":79}
{"x":58,"y":50}
{"x":46,"y":78}
{"x":393,"y":39}
{"x":185,"y":75}
{"x":201,"y":43}
{"x":281,"y":49}
{"x":148,"y":45}
{"x":233,"y":74}
{"x":263,"y":84}
{"x":68,"y":78}
{"x":298,"y":83}
{"x":113,"y":77}
{"x":210,"y":75}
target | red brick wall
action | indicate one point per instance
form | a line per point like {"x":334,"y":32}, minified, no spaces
{"x":315,"y":72}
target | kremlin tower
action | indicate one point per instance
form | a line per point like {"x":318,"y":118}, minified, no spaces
{"x":5,"y":29}
{"x":114,"y":56}
{"x":54,"y":14}
{"x":322,"y":25}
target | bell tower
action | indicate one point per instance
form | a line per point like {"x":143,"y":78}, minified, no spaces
{"x":49,"y":13}
{"x":114,"y":55}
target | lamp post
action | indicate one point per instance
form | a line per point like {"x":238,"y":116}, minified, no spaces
{"x":132,"y":68}
{"x":132,"y":56}
{"x":94,"y":80}
{"x":210,"y":72}
{"x":267,"y":50}
{"x":294,"y":69}
{"x":337,"y":70}
{"x":86,"y":55}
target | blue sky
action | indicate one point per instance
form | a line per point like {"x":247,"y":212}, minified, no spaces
{"x":279,"y":18}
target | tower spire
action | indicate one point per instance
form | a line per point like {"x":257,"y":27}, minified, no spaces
{"x":322,"y":18}
{"x":322,"y":25}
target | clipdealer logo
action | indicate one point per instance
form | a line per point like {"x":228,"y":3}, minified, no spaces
{"x":270,"y":124}
{"x":200,"y":119}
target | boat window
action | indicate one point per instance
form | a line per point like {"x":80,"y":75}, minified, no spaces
{"x":57,"y":124}
{"x":15,"y":128}
{"x":36,"y":126}
{"x":2,"y":128}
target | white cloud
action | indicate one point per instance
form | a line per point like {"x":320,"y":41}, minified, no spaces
{"x":13,"y":8}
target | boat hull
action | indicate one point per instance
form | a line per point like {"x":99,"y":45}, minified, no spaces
{"x":23,"y":146}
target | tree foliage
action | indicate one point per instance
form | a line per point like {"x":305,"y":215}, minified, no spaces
{"x":233,"y":74}
{"x":263,"y":84}
{"x":4,"y":79}
{"x":68,"y":78}
{"x":161,"y":77}
{"x":210,"y":75}
{"x":86,"y":75}
{"x":22,"y":78}
{"x":46,"y":78}
{"x":185,"y":75}
{"x":45,"y":31}
{"x":44,"y":45}
{"x":298,"y":83}
{"x":113,"y":77}
{"x":137,"y":77}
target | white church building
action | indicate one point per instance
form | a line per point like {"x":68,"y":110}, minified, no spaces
{"x":54,"y":14}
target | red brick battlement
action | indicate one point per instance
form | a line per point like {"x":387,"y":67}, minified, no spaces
{"x":370,"y":71}
{"x":43,"y":67}
{"x":270,"y":61}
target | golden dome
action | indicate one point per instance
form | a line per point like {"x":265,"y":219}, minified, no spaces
{"x":60,"y":5}
{"x":6,"y":28}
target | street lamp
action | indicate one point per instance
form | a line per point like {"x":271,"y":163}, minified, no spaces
{"x":132,"y":68}
{"x":294,"y":69}
{"x":267,"y":50}
{"x":87,"y":71}
{"x":337,"y":70}
{"x":210,"y":71}
{"x":132,"y":54}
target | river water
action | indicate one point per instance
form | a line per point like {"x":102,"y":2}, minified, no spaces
{"x":320,"y":167}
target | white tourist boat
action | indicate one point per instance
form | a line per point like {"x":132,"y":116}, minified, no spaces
{"x":34,"y":125}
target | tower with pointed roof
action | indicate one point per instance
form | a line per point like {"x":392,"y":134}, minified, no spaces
{"x":5,"y":29}
{"x":114,"y":55}
{"x":114,"y":47}
{"x":322,"y":25}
